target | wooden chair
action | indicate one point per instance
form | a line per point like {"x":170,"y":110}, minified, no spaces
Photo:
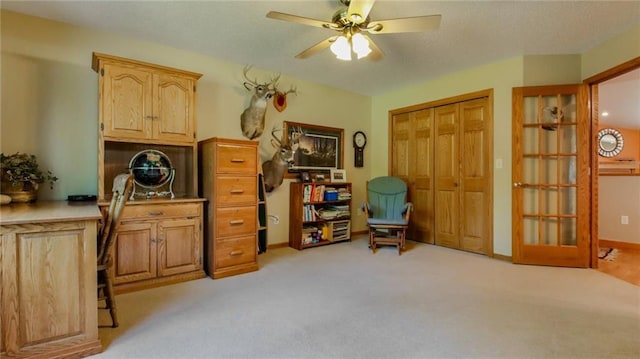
{"x":387,"y":212}
{"x":108,"y":231}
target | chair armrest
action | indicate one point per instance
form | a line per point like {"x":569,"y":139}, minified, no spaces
{"x":408,"y":208}
{"x":365,"y":209}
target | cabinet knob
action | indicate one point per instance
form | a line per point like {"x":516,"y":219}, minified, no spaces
{"x":236,"y":221}
{"x":237,"y":160}
{"x":237,"y":191}
{"x":155,"y":213}
{"x":236,"y":253}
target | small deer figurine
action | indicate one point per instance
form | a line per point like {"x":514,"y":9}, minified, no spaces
{"x":252,"y":119}
{"x":275,"y":168}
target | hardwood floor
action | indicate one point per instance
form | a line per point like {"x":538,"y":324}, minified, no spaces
{"x":625,"y":265}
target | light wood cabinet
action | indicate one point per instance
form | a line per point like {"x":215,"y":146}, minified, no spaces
{"x":142,"y":107}
{"x":229,"y":181}
{"x":145,"y":106}
{"x":158,"y":244}
{"x":148,"y":103}
{"x":317,"y":219}
{"x":48,"y":288}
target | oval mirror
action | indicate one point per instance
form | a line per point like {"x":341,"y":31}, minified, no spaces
{"x":610,"y":142}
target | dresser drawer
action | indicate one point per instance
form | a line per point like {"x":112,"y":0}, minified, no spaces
{"x":234,"y":191}
{"x":236,"y":159}
{"x":232,"y":252}
{"x":148,"y":211}
{"x":235,"y":221}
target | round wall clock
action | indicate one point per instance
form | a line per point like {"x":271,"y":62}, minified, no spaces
{"x":359,"y":141}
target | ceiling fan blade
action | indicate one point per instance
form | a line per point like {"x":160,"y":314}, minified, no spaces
{"x":407,"y":24}
{"x":299,"y":19}
{"x":359,"y":10}
{"x":376,"y":54}
{"x":316,"y":48}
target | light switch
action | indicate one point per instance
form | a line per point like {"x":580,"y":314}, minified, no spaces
{"x":498,"y":163}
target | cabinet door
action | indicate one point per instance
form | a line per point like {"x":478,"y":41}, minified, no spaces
{"x":47,"y":290}
{"x":179,"y":246}
{"x":135,"y":252}
{"x":127,"y":95}
{"x":173,"y":119}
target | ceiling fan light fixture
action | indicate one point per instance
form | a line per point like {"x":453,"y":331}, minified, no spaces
{"x":356,"y":18}
{"x":360,"y":45}
{"x":341,"y":48}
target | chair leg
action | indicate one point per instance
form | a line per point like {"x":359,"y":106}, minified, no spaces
{"x":372,"y":242}
{"x":110,"y":298}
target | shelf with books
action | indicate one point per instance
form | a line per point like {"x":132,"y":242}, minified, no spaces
{"x":320,"y":213}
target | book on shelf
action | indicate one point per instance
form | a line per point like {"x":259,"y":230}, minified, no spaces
{"x":343,"y":193}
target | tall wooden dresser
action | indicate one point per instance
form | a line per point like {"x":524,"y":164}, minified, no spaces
{"x":229,"y":181}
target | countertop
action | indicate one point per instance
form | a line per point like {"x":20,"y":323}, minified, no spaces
{"x":48,"y":211}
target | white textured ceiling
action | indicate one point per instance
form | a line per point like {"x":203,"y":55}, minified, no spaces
{"x":471,"y":33}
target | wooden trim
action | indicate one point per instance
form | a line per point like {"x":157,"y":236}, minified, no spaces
{"x":615,"y":71}
{"x":593,"y":83}
{"x":618,"y":244}
{"x":98,"y":57}
{"x":278,"y":245}
{"x":444,"y":101}
{"x":502,"y":257}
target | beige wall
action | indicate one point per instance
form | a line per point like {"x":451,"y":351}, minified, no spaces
{"x":619,"y":196}
{"x":49,"y":104}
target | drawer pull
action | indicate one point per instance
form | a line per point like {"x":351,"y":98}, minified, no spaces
{"x":236,"y":253}
{"x":237,"y":191}
{"x":237,"y":160}
{"x":236,"y":221}
{"x":156,"y":213}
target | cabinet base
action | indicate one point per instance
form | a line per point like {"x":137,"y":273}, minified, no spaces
{"x":59,"y":350}
{"x":158,"y":282}
{"x":231,"y":271}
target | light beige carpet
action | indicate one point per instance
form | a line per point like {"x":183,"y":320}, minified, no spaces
{"x":341,"y":301}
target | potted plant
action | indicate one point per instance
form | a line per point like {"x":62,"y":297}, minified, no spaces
{"x":21,"y":176}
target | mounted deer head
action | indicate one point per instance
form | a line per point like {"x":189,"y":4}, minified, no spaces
{"x":275,"y":168}
{"x":252,"y":119}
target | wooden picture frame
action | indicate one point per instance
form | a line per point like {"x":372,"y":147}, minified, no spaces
{"x":328,"y":142}
{"x":338,"y":175}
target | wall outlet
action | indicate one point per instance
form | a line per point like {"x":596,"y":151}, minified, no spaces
{"x":624,"y":220}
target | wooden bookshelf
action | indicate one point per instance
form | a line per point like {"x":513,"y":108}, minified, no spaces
{"x":320,"y":213}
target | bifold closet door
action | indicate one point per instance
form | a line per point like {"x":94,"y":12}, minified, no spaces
{"x":412,"y":160}
{"x":463,"y":153}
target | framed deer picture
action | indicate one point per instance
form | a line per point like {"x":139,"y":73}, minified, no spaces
{"x":320,"y":148}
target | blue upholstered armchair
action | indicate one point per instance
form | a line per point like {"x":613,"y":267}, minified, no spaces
{"x":387,"y":211}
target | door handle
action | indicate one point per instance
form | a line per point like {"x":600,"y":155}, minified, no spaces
{"x":520,"y":185}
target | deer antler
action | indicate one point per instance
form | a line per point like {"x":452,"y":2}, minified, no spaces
{"x":292,"y":90}
{"x":244,"y":73}
{"x":273,"y":134}
{"x":295,"y":135}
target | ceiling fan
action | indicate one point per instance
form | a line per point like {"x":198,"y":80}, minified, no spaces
{"x":352,"y":22}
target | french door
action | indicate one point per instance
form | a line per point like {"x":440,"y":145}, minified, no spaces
{"x":551,"y":175}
